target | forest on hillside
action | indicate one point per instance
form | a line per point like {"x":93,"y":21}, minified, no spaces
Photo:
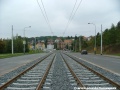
{"x":110,"y":39}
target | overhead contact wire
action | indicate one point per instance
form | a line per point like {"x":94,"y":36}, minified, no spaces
{"x":72,"y":16}
{"x":46,"y":18}
{"x":76,"y":9}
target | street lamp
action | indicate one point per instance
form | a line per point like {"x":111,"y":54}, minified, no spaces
{"x":12,"y":41}
{"x":75,"y":43}
{"x":80,"y":44}
{"x":101,"y":39}
{"x":24,"y":42}
{"x":95,"y":37}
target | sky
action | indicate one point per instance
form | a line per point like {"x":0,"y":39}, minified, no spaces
{"x":24,"y":13}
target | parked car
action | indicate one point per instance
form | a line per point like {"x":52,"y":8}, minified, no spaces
{"x":84,"y":52}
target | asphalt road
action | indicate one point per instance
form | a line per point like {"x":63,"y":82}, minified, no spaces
{"x":9,"y":64}
{"x":111,"y":64}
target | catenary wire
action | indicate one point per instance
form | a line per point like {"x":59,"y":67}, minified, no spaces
{"x":72,"y":16}
{"x":69,"y":18}
{"x":45,"y":15}
{"x":76,"y":9}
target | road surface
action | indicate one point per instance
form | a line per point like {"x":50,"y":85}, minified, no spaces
{"x":9,"y":64}
{"x":110,"y":63}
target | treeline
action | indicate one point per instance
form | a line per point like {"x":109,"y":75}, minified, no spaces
{"x":112,"y":36}
{"x":6,"y":45}
{"x":42,"y":38}
{"x":111,"y":40}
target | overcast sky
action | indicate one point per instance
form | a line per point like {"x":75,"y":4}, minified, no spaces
{"x":24,"y":13}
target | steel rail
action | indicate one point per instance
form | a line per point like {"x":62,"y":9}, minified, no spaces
{"x":97,"y":73}
{"x":39,"y":87}
{"x":72,"y":72}
{"x":16,"y":77}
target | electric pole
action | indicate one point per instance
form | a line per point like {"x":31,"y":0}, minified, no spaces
{"x":101,"y":39}
{"x":12,"y":39}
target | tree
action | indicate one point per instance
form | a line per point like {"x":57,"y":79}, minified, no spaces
{"x":18,"y":45}
{"x":68,"y":37}
{"x":46,"y":43}
{"x":2,"y":46}
{"x":118,"y":33}
{"x":26,"y":45}
{"x":112,"y":35}
{"x":98,"y":39}
{"x":106,"y":35}
{"x":8,"y":46}
{"x":55,"y":45}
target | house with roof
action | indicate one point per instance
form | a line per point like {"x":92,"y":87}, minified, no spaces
{"x":40,"y":45}
{"x":59,"y":43}
{"x":68,"y":43}
{"x":50,"y":45}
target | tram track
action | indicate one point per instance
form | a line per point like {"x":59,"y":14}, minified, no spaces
{"x":59,"y":71}
{"x":29,"y":78}
{"x":88,"y":76}
{"x":60,"y":77}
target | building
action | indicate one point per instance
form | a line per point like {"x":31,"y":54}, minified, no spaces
{"x":68,"y":43}
{"x":40,"y":45}
{"x":50,"y":45}
{"x":60,"y":44}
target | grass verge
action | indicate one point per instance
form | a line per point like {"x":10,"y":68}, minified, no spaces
{"x":10,"y":55}
{"x":18,"y":54}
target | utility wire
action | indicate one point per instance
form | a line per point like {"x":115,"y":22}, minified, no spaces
{"x":42,"y":11}
{"x":72,"y":15}
{"x":69,"y":18}
{"x":76,"y":9}
{"x":45,"y":15}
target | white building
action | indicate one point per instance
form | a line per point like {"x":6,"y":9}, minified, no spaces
{"x":50,"y":47}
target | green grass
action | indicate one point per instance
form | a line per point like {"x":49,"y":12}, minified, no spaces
{"x":33,"y":52}
{"x":18,"y":54}
{"x":117,"y":54}
{"x":10,"y":55}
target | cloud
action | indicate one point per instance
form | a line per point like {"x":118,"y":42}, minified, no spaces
{"x":23,"y":13}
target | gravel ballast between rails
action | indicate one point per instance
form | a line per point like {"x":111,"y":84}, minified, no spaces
{"x":60,"y":79}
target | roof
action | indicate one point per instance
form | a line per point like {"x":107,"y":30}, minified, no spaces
{"x":68,"y":41}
